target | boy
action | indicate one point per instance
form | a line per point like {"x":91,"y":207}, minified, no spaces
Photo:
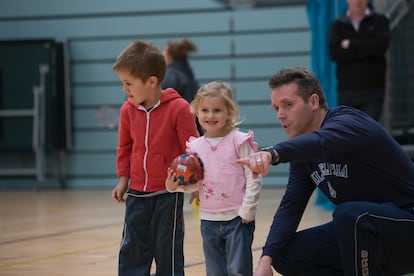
{"x":154,"y":127}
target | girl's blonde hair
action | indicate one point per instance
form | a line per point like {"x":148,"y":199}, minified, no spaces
{"x":218,"y":89}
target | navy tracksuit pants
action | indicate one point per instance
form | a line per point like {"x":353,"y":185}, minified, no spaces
{"x":364,"y":238}
{"x":153,"y":230}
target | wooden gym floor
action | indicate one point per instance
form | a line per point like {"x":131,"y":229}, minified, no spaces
{"x":77,"y":232}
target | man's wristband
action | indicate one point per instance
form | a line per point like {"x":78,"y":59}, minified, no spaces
{"x":275,"y":157}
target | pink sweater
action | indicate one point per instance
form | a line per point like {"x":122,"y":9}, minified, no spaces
{"x":224,"y":183}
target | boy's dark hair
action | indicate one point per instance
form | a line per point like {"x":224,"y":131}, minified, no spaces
{"x":143,"y":60}
{"x":308,"y":84}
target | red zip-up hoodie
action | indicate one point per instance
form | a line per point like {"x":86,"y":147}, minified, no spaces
{"x":148,"y":141}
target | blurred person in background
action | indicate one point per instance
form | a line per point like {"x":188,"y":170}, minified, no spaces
{"x":358,"y":42}
{"x":180,"y":75}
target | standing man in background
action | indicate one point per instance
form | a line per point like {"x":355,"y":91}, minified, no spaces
{"x":358,"y":42}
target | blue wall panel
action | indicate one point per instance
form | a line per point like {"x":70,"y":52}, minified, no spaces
{"x":271,"y":19}
{"x":252,"y":91}
{"x":95,"y":140}
{"x":137,"y":26}
{"x":243,"y":47}
{"x":279,"y":43}
{"x":91,"y":164}
{"x":98,"y":95}
{"x":266,"y":66}
{"x":96,"y":7}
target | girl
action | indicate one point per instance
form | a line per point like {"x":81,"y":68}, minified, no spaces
{"x":228,"y":194}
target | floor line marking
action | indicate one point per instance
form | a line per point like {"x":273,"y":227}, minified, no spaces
{"x":55,"y":256}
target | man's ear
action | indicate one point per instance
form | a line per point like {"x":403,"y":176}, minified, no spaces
{"x":314,"y":100}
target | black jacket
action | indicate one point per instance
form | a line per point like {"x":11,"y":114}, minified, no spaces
{"x":180,"y":77}
{"x":363,"y":65}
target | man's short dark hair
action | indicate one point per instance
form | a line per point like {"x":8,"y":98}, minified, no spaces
{"x":308,"y":84}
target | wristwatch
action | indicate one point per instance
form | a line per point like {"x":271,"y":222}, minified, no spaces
{"x":273,"y":153}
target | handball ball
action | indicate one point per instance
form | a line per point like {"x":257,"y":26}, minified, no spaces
{"x":188,"y":168}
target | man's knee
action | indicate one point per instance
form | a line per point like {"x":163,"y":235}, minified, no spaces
{"x":353,"y":215}
{"x":350,"y":210}
{"x":281,"y":265}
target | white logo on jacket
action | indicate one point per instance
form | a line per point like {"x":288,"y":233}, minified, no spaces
{"x":327,"y":169}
